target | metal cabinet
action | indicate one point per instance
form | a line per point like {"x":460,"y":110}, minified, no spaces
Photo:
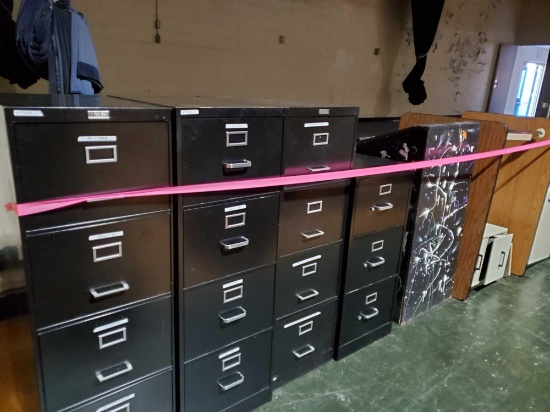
{"x":97,"y":332}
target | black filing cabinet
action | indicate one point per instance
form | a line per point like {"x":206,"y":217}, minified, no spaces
{"x":98,"y":330}
{"x":374,"y":249}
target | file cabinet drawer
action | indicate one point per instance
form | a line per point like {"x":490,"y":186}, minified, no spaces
{"x":68,"y":159}
{"x":307,"y":278}
{"x":230,"y":238}
{"x":99,"y":267}
{"x":367,"y":309}
{"x":221,"y":149}
{"x":228,"y":376}
{"x":226,"y":311}
{"x":381,"y":202}
{"x":318,"y":144}
{"x":300,"y":341}
{"x":312,"y":216}
{"x":151,"y":395}
{"x":373,"y":258}
{"x":89,"y":358}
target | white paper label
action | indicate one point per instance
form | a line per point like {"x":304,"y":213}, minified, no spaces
{"x":237,"y":126}
{"x":28,"y":113}
{"x":319,"y":124}
{"x":97,"y":138}
{"x":233,"y":208}
{"x":106,"y":235}
{"x":324,"y":111}
{"x":99,"y":114}
{"x":189,"y":112}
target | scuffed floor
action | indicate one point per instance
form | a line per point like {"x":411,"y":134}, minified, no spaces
{"x":489,"y":353}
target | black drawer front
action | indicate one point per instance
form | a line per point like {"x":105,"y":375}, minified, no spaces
{"x":381,"y":202}
{"x":301,"y":340}
{"x":366,"y":310}
{"x":99,"y":267}
{"x":230,"y":238}
{"x":220,"y":149}
{"x":226,"y":311}
{"x":90,"y":358}
{"x":373,"y":258}
{"x":318,"y":144}
{"x":64,"y":159}
{"x":151,"y":395}
{"x":229,"y":375}
{"x":307,"y":278}
{"x":312,"y":216}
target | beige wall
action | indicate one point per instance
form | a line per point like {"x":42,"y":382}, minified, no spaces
{"x":534,"y":23}
{"x":230,"y":47}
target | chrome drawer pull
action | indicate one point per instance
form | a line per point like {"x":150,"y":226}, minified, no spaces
{"x":380,"y":207}
{"x":300,"y":353}
{"x":313,"y":234}
{"x":315,"y":169}
{"x":367,"y":316}
{"x":242,"y":164}
{"x":104,"y":291}
{"x":234,"y":243}
{"x":231,"y":381}
{"x":225,"y":319}
{"x":125,"y":407}
{"x":127,"y":367}
{"x":309,"y":294}
{"x":373,"y":263}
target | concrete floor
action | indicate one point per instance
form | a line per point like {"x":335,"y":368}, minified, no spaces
{"x":489,"y":353}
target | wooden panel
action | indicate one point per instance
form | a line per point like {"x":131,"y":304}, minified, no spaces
{"x":521,"y":186}
{"x":492,"y":136}
{"x":18,"y":390}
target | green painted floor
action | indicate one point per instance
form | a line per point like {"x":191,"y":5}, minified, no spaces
{"x":489,"y":353}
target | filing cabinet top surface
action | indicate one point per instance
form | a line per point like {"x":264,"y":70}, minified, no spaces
{"x":237,"y":106}
{"x":15,"y":100}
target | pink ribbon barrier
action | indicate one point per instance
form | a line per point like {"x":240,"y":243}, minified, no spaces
{"x":31,"y":208}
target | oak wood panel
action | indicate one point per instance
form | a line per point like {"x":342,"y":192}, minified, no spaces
{"x":492,"y":136}
{"x":521,"y":186}
{"x":18,"y":389}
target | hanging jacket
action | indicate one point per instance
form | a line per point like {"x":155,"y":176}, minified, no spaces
{"x":12,"y":66}
{"x":55,"y":41}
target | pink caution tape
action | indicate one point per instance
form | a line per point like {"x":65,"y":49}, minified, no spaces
{"x":31,"y":208}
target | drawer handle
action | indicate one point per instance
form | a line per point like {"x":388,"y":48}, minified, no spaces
{"x":121,"y":408}
{"x":367,"y":316}
{"x":313,"y":234}
{"x":242,"y":164}
{"x":316,"y":169}
{"x":380,"y":207}
{"x":231,"y":381}
{"x":306,"y":350}
{"x":373,"y":263}
{"x":234,"y":243}
{"x":479,"y":261}
{"x":119,"y":369}
{"x":104,"y":291}
{"x":502,"y":259}
{"x":230,"y":319}
{"x":309,"y":294}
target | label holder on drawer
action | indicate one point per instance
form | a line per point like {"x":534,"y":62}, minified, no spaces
{"x":235,"y":220}
{"x":320,"y":139}
{"x":314,"y":207}
{"x":233,"y":291}
{"x":230,"y":359}
{"x":378,"y":245}
{"x":118,"y":402}
{"x":96,"y":251}
{"x":236,"y":138}
{"x":309,"y":265}
{"x":112,"y":159}
{"x":386,"y":189}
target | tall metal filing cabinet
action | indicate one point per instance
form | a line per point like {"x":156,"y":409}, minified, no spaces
{"x":438,"y":207}
{"x":311,"y":232}
{"x":228,"y":250}
{"x":374,"y":250}
{"x":87,"y":315}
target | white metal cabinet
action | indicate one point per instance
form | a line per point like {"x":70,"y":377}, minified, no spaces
{"x":541,"y":245}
